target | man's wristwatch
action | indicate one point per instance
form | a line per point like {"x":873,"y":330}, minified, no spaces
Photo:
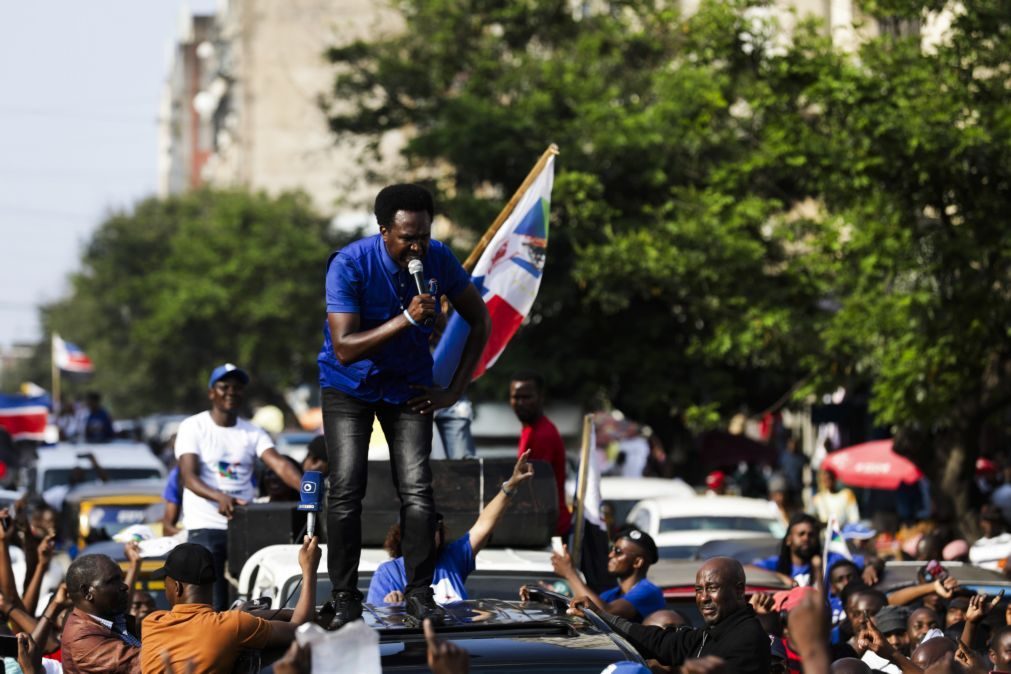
{"x":506,"y":490}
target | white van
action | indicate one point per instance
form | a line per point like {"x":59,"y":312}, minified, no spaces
{"x":120,"y":461}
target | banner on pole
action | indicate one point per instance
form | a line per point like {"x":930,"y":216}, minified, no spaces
{"x":508,"y":275}
{"x":69,"y":357}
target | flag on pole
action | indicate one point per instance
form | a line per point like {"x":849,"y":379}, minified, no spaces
{"x":834,"y":541}
{"x":24,"y":417}
{"x":508,"y":275}
{"x":835,"y":546}
{"x":69,"y":357}
{"x":595,"y":541}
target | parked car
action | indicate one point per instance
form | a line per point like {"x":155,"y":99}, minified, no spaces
{"x":970,"y":577}
{"x":273,"y":572}
{"x":744,"y":550}
{"x":680,"y":525}
{"x":120,"y":461}
{"x":96,"y":512}
{"x":624,"y":492}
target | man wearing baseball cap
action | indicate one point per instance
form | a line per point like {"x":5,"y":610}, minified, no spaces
{"x":628,"y":560}
{"x":217,"y":452}
{"x":193,"y":632}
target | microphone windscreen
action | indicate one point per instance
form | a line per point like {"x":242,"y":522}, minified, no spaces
{"x":311,"y":496}
{"x":415,"y":267}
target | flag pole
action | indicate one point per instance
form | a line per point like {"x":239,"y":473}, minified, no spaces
{"x":55,"y":374}
{"x":584,"y":469}
{"x":489,"y":234}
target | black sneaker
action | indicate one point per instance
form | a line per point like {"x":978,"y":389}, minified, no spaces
{"x":345,"y":607}
{"x":421,"y":604}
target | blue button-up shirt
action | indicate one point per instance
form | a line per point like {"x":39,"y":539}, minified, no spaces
{"x":363,"y":279}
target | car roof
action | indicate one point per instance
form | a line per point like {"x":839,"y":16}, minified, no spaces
{"x":702,"y":536}
{"x":500,"y":634}
{"x":282,"y":561}
{"x":109,"y":455}
{"x":125,"y":488}
{"x":638,"y":488}
{"x":738,"y":506}
{"x":679,"y":573}
{"x":903,"y":574}
{"x":744,"y":550}
{"x":113,"y":550}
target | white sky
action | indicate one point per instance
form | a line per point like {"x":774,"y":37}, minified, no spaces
{"x":80,"y":85}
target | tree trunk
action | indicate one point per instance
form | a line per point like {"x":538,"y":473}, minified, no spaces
{"x":948,"y":459}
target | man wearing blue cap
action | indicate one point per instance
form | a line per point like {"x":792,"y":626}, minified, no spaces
{"x":217,"y":452}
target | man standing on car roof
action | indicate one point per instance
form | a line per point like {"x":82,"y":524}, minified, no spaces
{"x":375,"y":362}
{"x":628,"y":560}
{"x":217,"y":452}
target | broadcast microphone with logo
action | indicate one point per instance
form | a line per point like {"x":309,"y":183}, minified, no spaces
{"x":417,"y":271}
{"x":312,"y":498}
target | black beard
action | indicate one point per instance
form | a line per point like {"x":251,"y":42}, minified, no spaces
{"x":806,"y":553}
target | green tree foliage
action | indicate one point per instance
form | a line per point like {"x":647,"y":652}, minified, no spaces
{"x":673,"y":277}
{"x":733,"y":213}
{"x":925,"y":276}
{"x":177,"y":286}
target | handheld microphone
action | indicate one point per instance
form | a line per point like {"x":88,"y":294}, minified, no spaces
{"x":417,"y":271}
{"x":311,"y":498}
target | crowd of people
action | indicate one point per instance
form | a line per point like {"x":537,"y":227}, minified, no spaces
{"x":375,"y":363}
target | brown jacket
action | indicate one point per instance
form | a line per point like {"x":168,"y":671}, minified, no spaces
{"x":91,"y":648}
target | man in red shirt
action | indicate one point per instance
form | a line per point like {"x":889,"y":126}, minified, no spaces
{"x":526,"y":396}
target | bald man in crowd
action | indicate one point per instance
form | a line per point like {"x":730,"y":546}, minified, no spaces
{"x":732,"y":630}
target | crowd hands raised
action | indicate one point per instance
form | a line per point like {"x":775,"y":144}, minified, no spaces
{"x":97,"y":622}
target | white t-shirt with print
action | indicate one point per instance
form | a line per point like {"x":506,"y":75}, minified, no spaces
{"x":227,"y":457}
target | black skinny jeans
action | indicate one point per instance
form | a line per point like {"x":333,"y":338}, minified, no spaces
{"x":347,"y":425}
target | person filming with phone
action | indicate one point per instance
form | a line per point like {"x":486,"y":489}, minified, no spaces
{"x":628,"y":560}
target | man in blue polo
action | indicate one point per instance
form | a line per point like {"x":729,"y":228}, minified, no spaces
{"x":375,"y":362}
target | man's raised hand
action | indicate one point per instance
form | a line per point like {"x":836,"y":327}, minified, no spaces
{"x":561,"y":562}
{"x":762,"y":602}
{"x":945,"y":588}
{"x":444,"y":657}
{"x":979,"y":606}
{"x":521,"y":471}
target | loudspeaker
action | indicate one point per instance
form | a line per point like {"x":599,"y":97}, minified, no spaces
{"x":257,"y":525}
{"x":459,"y":487}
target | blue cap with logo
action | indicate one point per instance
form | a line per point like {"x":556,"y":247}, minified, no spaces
{"x":222,"y":371}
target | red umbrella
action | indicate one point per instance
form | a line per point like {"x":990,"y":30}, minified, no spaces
{"x":873,"y":465}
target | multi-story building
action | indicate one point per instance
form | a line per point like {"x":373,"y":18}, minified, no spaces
{"x":242,"y":103}
{"x":242,"y":100}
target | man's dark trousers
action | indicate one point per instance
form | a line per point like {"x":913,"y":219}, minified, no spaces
{"x":347,"y":425}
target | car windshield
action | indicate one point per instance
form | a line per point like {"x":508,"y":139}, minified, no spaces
{"x":58,"y":476}
{"x":483,"y":585}
{"x":721,"y":523}
{"x":677,"y":551}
